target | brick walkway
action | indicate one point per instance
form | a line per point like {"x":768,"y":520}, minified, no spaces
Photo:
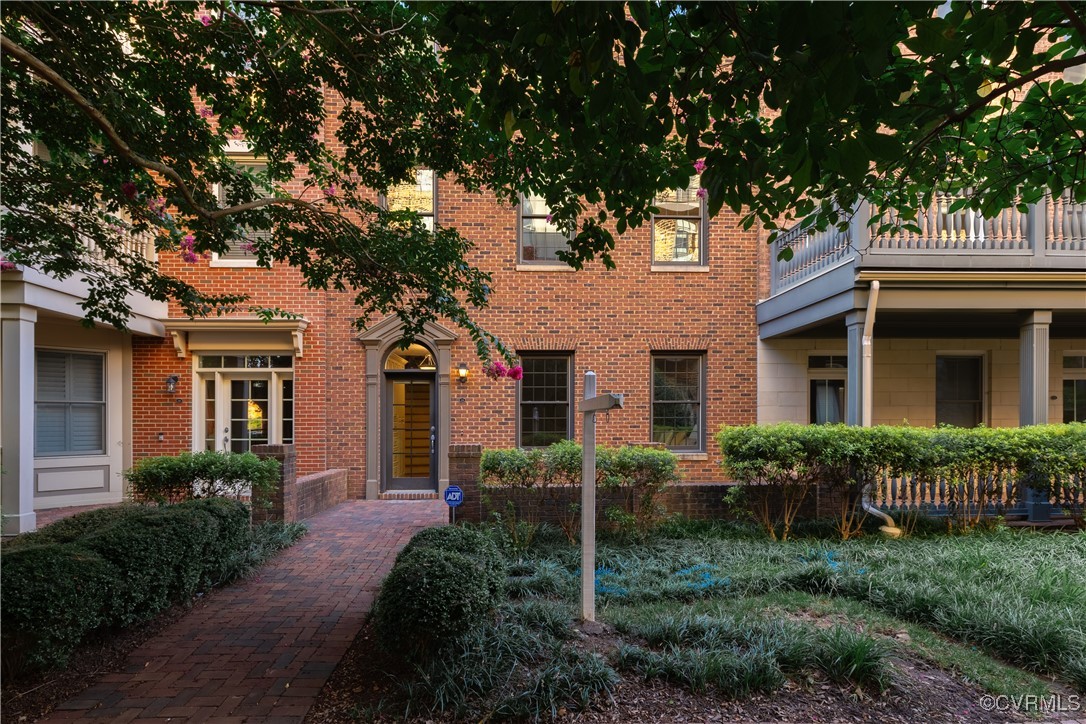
{"x":261,"y":650}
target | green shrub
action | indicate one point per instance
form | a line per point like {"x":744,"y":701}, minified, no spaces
{"x":429,"y":596}
{"x":159,"y":559}
{"x":171,"y":479}
{"x":550,"y":479}
{"x":51,"y":596}
{"x":469,"y":542}
{"x":232,"y":537}
{"x":79,"y":525}
{"x":850,"y":656}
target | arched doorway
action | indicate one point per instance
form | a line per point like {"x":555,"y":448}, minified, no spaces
{"x":409,"y":442}
{"x":381,"y":341}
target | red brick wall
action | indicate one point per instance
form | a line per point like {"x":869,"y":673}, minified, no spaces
{"x":610,"y":321}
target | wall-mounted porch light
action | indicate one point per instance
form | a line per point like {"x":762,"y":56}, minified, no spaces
{"x":462,"y":373}
{"x":171,"y":384}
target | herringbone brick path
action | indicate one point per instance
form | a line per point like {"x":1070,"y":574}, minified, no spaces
{"x":261,"y":650}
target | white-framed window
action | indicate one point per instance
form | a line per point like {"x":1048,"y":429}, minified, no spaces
{"x":1074,"y":387}
{"x":544,"y":395}
{"x":679,"y":229}
{"x":419,"y":196}
{"x":241,"y":251}
{"x":244,"y":399}
{"x":959,"y":389}
{"x":678,"y":401}
{"x":69,"y":403}
{"x":538,"y":239}
{"x":827,"y":375}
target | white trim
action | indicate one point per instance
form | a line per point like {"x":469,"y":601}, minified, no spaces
{"x":680,"y":267}
{"x":544,"y":267}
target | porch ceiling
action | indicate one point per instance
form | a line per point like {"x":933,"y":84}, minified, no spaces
{"x":962,"y":323}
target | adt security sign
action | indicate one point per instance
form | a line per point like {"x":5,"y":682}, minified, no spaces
{"x":454,"y":496}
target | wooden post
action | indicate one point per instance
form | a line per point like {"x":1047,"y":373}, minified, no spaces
{"x":588,"y":506}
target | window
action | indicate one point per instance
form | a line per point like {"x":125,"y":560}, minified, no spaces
{"x":1074,"y":388}
{"x":69,"y":403}
{"x":958,"y":390}
{"x":677,"y":401}
{"x":247,"y":399}
{"x":827,"y":374}
{"x":540,"y":240}
{"x":678,"y":230}
{"x":419,"y":196}
{"x":240,"y":252}
{"x":545,"y":413}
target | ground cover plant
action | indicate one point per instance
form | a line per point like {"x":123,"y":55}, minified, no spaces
{"x":719,"y":612}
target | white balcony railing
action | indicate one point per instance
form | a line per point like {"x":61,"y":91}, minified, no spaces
{"x":1052,"y":234}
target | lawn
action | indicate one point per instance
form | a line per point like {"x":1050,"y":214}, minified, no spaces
{"x":717,"y":620}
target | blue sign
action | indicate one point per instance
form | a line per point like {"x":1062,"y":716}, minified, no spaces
{"x":454,"y":496}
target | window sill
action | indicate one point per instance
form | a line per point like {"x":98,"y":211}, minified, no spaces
{"x":545,"y":268}
{"x":692,"y":455}
{"x":693,"y":268}
{"x":234,"y":263}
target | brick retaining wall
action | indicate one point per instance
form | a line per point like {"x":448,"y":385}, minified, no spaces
{"x":297,"y":498}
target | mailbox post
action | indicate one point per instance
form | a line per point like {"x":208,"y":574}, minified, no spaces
{"x":589,"y":407}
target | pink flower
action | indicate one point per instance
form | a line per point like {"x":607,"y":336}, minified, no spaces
{"x":205,"y":112}
{"x":549,"y":218}
{"x":702,"y":193}
{"x":248,"y":247}
{"x":495,"y":370}
{"x":205,"y":20}
{"x":189,"y":257}
{"x":699,"y":165}
{"x":157,"y":206}
{"x":515,"y":372}
{"x":129,"y":189}
{"x":6,"y":265}
{"x":330,"y":191}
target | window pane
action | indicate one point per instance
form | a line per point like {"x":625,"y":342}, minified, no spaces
{"x":88,"y":383}
{"x":211,"y":361}
{"x":827,"y":362}
{"x":1074,"y":362}
{"x":958,"y":391}
{"x":1074,"y":400}
{"x":209,"y":414}
{"x":282,"y":361}
{"x":52,"y":376}
{"x":544,"y":406}
{"x":87,"y":428}
{"x":50,"y":429}
{"x":677,"y":398}
{"x":417,"y":196}
{"x":827,"y":401}
{"x":540,"y":240}
{"x":241,"y":248}
{"x":675,"y":240}
{"x":680,"y":202}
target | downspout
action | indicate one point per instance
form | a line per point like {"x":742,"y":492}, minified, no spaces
{"x":867,"y":384}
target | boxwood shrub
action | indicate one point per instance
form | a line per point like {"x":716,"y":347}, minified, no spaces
{"x":110,"y":568}
{"x":468,"y":542}
{"x":174,"y":478}
{"x":443,"y":583}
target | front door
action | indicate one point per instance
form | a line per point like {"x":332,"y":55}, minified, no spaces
{"x":410,"y":432}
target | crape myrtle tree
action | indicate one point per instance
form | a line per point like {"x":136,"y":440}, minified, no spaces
{"x":116,"y":118}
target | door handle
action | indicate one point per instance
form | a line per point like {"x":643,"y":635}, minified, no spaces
{"x":433,"y":436}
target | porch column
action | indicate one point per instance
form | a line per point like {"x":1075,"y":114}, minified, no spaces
{"x":1033,"y":369}
{"x":1033,"y":393}
{"x":854,"y":387}
{"x":17,"y":418}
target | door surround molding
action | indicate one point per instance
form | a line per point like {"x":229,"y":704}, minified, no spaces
{"x":378,"y":340}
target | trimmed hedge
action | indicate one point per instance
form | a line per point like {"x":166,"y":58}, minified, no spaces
{"x":973,"y":461}
{"x":551,"y":477}
{"x":209,"y":474}
{"x":444,"y":581}
{"x":110,"y":568}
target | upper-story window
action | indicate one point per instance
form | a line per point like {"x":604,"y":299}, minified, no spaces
{"x":242,"y":250}
{"x":419,"y":196}
{"x":678,"y":230}
{"x":539,"y":239}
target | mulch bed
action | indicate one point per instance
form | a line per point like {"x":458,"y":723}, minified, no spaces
{"x":364,"y":688}
{"x":29,"y":697}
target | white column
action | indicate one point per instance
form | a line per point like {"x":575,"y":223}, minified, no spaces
{"x":17,"y":418}
{"x":854,"y":381}
{"x":1033,"y":369}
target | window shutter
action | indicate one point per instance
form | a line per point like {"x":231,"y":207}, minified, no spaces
{"x":52,"y":376}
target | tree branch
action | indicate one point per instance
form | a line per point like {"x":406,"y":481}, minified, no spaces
{"x":1069,"y":11}
{"x":46,"y":73}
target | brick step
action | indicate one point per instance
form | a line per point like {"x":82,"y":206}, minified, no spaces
{"x":408,"y":495}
